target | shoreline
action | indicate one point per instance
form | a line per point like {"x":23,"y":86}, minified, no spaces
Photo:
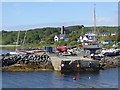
{"x":26,"y":68}
{"x":38,"y":69}
{"x":105,"y":63}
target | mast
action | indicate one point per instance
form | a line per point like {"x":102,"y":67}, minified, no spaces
{"x":24,"y":40}
{"x":17,"y":39}
{"x":95,"y":21}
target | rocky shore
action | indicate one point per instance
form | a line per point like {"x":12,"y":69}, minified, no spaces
{"x":27,"y":68}
{"x":41,"y":62}
{"x":26,"y":62}
{"x":110,"y":62}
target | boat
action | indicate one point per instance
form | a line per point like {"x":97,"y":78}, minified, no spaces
{"x":89,"y":41}
{"x":110,"y":52}
{"x":16,"y":52}
{"x":23,"y":50}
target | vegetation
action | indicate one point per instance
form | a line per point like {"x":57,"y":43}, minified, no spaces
{"x":27,"y":68}
{"x":118,"y":36}
{"x":40,"y":37}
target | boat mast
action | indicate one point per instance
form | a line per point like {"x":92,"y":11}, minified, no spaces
{"x":95,"y":21}
{"x":24,"y":40}
{"x":17,"y":39}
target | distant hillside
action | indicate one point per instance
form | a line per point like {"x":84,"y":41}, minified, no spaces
{"x":44,"y":36}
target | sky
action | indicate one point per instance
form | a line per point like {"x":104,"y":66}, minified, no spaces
{"x":27,"y":15}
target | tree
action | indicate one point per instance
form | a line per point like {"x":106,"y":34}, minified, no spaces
{"x":118,"y":34}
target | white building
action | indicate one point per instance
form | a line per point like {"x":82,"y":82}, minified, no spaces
{"x":56,"y":38}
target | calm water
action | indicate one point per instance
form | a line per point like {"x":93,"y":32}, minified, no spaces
{"x":4,"y":51}
{"x":102,"y":79}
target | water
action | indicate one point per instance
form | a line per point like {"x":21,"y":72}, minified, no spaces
{"x":47,"y":79}
{"x":4,"y":51}
{"x":103,"y":79}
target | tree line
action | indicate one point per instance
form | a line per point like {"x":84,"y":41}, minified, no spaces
{"x":45,"y":36}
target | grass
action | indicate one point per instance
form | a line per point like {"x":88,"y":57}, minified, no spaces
{"x":9,"y":45}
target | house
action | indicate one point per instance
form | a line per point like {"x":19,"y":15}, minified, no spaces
{"x":107,"y":34}
{"x":56,"y":38}
{"x":62,"y":36}
{"x":113,"y":33}
{"x":89,"y":37}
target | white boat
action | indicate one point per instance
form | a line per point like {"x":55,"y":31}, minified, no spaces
{"x":16,"y":53}
{"x":111,"y":52}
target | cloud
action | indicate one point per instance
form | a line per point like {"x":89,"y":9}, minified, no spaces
{"x":101,"y":21}
{"x":107,"y":21}
{"x":104,"y":19}
{"x":41,"y":25}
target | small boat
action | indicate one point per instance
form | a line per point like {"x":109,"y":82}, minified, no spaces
{"x":30,"y":51}
{"x":16,"y":53}
{"x":111,"y":52}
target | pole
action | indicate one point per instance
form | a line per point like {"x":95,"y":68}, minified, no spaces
{"x":95,"y":21}
{"x":24,"y":40}
{"x":17,"y":39}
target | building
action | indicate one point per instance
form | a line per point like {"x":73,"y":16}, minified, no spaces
{"x":113,"y":33}
{"x":89,"y":37}
{"x":62,"y":35}
{"x":56,"y":38}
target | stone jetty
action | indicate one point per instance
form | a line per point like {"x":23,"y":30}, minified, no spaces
{"x":31,"y":62}
{"x":44,"y":61}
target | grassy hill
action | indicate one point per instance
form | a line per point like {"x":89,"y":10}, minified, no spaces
{"x":45,"y":36}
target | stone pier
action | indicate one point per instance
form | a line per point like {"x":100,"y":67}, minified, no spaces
{"x":71,"y":62}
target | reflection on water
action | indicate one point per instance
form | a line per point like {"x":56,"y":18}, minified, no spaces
{"x":103,"y":79}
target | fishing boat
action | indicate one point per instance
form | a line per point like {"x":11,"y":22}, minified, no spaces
{"x":89,"y":40}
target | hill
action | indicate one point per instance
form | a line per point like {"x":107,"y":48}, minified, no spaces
{"x":39,"y":37}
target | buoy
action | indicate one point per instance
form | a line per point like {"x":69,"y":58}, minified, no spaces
{"x":78,"y":65}
{"x":62,"y":65}
{"x":74,"y":78}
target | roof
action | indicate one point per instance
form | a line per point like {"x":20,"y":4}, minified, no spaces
{"x":85,"y":38}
